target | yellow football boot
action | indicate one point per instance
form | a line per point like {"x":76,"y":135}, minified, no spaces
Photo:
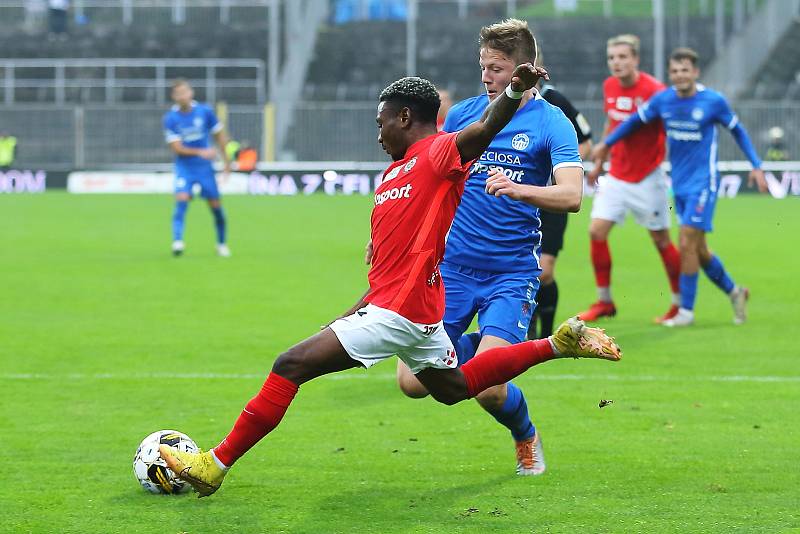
{"x":574,"y":339}
{"x":200,"y":470}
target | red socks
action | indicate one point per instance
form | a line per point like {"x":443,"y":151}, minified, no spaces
{"x":261,"y":415}
{"x":601,"y":261}
{"x":672,"y":263}
{"x":499,"y":365}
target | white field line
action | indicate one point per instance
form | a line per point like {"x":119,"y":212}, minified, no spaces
{"x":385,"y":376}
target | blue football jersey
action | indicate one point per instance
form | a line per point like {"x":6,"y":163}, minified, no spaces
{"x":192,"y":129}
{"x":501,"y":234}
{"x":691,"y":134}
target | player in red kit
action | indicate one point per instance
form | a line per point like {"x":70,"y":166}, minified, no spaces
{"x":635,"y":182}
{"x":402,"y":311}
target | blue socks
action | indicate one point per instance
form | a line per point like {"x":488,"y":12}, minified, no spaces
{"x":219,"y":224}
{"x":467,"y":346}
{"x":178,"y":218}
{"x":717,"y":274}
{"x":688,"y":287}
{"x":514,"y":414}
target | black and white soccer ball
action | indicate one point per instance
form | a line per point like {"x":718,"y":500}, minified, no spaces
{"x":151,"y":471}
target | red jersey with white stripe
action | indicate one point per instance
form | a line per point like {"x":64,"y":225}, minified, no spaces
{"x":414,"y":208}
{"x":636,"y":156}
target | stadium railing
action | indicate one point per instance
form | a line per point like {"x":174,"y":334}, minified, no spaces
{"x":150,"y":12}
{"x":96,"y":136}
{"x":143,"y":80}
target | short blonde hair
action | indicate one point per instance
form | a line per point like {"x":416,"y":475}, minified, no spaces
{"x":511,"y":37}
{"x":625,"y":39}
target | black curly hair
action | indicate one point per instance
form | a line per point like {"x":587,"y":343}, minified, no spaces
{"x":417,"y":94}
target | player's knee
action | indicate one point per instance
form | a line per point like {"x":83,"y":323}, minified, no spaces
{"x":289,"y":365}
{"x":448,"y":397}
{"x":687,"y":243}
{"x":597,"y":233}
{"x":546,"y":277}
{"x":411,"y":387}
{"x":661,"y":239}
{"x":492,"y":399}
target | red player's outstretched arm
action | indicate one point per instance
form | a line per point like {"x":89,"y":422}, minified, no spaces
{"x":473,"y":140}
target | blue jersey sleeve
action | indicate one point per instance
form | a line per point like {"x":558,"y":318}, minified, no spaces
{"x":171,"y":133}
{"x":563,"y":143}
{"x":724,"y":114}
{"x":630,"y":125}
{"x":451,"y":120}
{"x":651,"y":110}
{"x":212,"y":123}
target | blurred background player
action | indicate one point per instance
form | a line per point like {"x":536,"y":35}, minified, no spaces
{"x":690,"y":113}
{"x":444,"y":108}
{"x":187,"y":127}
{"x":776,"y":151}
{"x":554,"y":224}
{"x":8,"y":150}
{"x":402,"y":311}
{"x":635,"y":182}
{"x":490,"y":266}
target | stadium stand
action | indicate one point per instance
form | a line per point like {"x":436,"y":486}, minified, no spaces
{"x":341,"y":71}
{"x":780,"y":79}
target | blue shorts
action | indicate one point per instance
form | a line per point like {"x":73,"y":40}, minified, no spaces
{"x":696,"y":209}
{"x":504,"y":302}
{"x":186,"y":177}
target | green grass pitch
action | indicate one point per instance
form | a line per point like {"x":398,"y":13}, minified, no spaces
{"x":104,"y":338}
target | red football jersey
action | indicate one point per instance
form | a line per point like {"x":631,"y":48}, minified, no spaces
{"x":636,"y":156}
{"x":414,"y":208}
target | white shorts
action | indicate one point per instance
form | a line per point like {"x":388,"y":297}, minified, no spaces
{"x":648,"y":200}
{"x":373,"y":334}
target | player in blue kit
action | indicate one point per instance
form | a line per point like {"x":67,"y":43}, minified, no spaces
{"x":491,"y":264}
{"x":690,"y":113}
{"x":187,"y":127}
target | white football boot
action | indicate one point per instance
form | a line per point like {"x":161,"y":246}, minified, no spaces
{"x":739,"y":297}
{"x":684,"y":317}
{"x":177,"y":248}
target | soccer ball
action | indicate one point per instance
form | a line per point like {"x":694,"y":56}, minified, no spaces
{"x":151,"y":471}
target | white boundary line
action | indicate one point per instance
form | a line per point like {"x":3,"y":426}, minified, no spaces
{"x":386,"y":376}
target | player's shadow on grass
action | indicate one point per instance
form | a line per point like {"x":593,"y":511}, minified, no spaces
{"x":406,"y":503}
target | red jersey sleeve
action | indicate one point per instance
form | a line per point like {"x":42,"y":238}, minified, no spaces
{"x":445,"y":158}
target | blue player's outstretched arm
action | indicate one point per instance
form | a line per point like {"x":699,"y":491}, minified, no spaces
{"x":743,"y":140}
{"x":600,"y":151}
{"x":625,"y":129}
{"x":756,"y":176}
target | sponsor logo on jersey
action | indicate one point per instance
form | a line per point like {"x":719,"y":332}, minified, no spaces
{"x":512,"y":174}
{"x":616,"y":115}
{"x":501,"y":157}
{"x":393,"y":194}
{"x":410,"y":164}
{"x":392,"y":174}
{"x":682,"y":135}
{"x":624,"y":103}
{"x":520,"y":141}
{"x":683,"y":125}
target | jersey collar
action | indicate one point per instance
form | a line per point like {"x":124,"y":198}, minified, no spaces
{"x":176,"y":107}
